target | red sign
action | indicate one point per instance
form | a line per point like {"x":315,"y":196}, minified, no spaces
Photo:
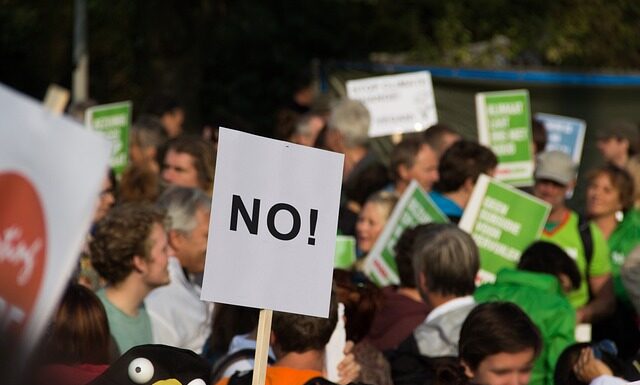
{"x":23,"y":250}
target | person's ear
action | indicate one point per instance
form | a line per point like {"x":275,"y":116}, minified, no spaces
{"x":467,"y":370}
{"x":176,"y":239}
{"x":139,"y":264}
{"x":403,"y":172}
{"x":468,"y":185}
{"x":565,"y":283}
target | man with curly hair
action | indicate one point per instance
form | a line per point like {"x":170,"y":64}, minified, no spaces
{"x":130,"y":251}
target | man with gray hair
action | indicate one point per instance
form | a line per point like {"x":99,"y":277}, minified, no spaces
{"x":446,"y":262}
{"x":178,"y":316}
{"x":364,"y":173}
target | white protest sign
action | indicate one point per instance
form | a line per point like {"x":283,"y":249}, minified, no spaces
{"x":397,"y":103}
{"x":272,"y":234}
{"x":51,"y":169}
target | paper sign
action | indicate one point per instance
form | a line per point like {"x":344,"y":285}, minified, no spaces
{"x":504,"y":125}
{"x":113,"y":121}
{"x":51,"y":170}
{"x":56,"y":99}
{"x":564,"y":134}
{"x":274,"y":218}
{"x":345,"y":252}
{"x":414,"y":208}
{"x":397,"y":103}
{"x":503,"y":221}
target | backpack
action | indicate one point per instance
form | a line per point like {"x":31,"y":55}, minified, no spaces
{"x":586,"y":237}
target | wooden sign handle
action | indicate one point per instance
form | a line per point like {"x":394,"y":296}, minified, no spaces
{"x":262,"y":347}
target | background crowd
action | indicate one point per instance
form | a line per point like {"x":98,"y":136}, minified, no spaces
{"x":139,"y":275}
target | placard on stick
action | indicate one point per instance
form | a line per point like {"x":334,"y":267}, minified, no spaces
{"x":564,"y":134}
{"x":397,"y":103}
{"x":113,"y":121}
{"x":504,"y":125}
{"x":50,"y":175}
{"x":503,"y":221}
{"x":413,"y":208}
{"x":272,"y":233}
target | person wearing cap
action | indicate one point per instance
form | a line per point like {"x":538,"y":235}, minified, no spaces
{"x":555,"y":174}
{"x":618,"y":142}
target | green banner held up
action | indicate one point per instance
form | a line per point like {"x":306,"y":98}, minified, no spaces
{"x":113,"y":121}
{"x":503,"y":221}
{"x":414,"y":208}
{"x":504,"y":125}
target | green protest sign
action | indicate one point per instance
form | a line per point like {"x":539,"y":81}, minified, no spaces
{"x":504,"y":125}
{"x":414,"y":208}
{"x":503,"y":221}
{"x":113,"y":121}
{"x":345,"y":255}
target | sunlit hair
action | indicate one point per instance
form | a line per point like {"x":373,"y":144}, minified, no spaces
{"x":620,"y":179}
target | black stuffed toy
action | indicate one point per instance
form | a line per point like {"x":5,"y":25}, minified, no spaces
{"x":156,"y":365}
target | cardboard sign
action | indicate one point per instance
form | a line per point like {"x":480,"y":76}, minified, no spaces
{"x":113,"y":121}
{"x":274,"y":217}
{"x":51,"y":170}
{"x":397,"y":103}
{"x":504,"y":125}
{"x":503,"y":221}
{"x":564,"y":134}
{"x":414,"y":208}
{"x":345,"y":252}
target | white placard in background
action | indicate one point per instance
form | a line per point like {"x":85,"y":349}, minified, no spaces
{"x":273,"y":226}
{"x":51,"y":170}
{"x":397,"y":103}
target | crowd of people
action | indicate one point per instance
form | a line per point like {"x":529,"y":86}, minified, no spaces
{"x":139,"y":275}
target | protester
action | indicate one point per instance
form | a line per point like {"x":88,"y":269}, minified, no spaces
{"x":446,"y":262}
{"x":459,"y":169}
{"x":578,"y":365}
{"x":402,"y":307}
{"x":178,"y":316}
{"x":372,"y":219}
{"x":555,"y":175}
{"x":364,"y":173}
{"x":78,"y":346}
{"x":609,"y":205}
{"x":307,"y":129}
{"x":189,"y":162}
{"x":130,"y":251}
{"x":630,"y":274}
{"x":145,"y":140}
{"x":618,"y":142}
{"x":361,"y":300}
{"x":298,"y":342}
{"x":139,"y":183}
{"x":413,"y":159}
{"x":498,"y":345}
{"x":440,"y":137}
{"x":169,"y":112}
{"x":544,"y":273}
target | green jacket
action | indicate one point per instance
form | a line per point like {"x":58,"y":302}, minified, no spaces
{"x":624,"y":238}
{"x":540,"y":296}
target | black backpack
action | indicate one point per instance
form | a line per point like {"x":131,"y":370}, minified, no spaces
{"x":225,"y":362}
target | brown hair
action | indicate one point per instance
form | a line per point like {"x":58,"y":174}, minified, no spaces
{"x":496,"y":327}
{"x":79,"y":332}
{"x":621,"y":181}
{"x":123,"y":233}
{"x":361,"y":299}
{"x":139,"y":184}
{"x":301,"y":333}
{"x":203,"y":158}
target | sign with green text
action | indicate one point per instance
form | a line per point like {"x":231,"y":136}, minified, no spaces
{"x":504,"y":125}
{"x":503,"y":221}
{"x":414,"y":208}
{"x":113,"y":122}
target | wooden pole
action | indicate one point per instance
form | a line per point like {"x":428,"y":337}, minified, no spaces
{"x":262,"y":347}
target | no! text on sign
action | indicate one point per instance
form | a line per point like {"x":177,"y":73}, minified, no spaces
{"x":272,"y":233}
